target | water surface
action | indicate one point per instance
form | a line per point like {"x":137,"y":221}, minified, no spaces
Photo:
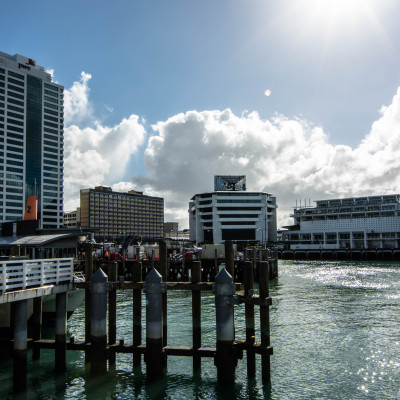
{"x":334,"y":330}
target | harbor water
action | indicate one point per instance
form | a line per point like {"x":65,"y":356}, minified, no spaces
{"x":335,"y":330}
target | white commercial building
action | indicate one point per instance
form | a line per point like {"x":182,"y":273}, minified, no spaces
{"x":351,"y":223}
{"x":238,"y":216}
{"x":31,"y":141}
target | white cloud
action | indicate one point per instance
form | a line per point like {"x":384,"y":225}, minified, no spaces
{"x":292,"y":159}
{"x":77,"y":107}
{"x":94,"y":154}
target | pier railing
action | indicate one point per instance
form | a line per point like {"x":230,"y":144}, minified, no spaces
{"x":23,"y":274}
{"x":101,"y":345}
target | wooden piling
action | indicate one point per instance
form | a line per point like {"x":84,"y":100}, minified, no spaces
{"x":249,"y":316}
{"x":20,"y":346}
{"x":137,"y":311}
{"x":225,"y":359}
{"x":196,"y":314}
{"x":112,"y":309}
{"x":184,"y":270}
{"x":98,"y":322}
{"x":164,"y":274}
{"x":263,"y":278}
{"x":154,"y":356}
{"x":37,"y":325}
{"x":215,"y":263}
{"x":230,"y":259}
{"x":88,"y":277}
{"x":61,"y":332}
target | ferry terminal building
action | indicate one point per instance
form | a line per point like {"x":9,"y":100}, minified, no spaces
{"x":371,"y":222}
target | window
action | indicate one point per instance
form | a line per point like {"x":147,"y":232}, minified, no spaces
{"x":47,"y":98}
{"x":10,"y":141}
{"x":16,"y":88}
{"x":51,"y":87}
{"x":48,"y":117}
{"x":17,"y":170}
{"x":51,"y":131}
{"x":13,"y":108}
{"x":50,"y":175}
{"x":15,"y":75}
{"x":13,"y":197}
{"x":51,"y":93}
{"x":12,"y":204}
{"x":15,"y":122}
{"x":13,"y":176}
{"x":13,"y":190}
{"x":46,"y":123}
{"x":49,"y":105}
{"x":14,"y":115}
{"x":16,"y":82}
{"x":50,"y":181}
{"x":49,"y":194}
{"x":50,"y":149}
{"x":53,"y":156}
{"x":14,"y":183}
{"x":17,"y":102}
{"x":50,"y":162}
{"x":51,"y":112}
{"x":53,"y":188}
{"x":17,"y":156}
{"x":48,"y":143}
{"x":12,"y":162}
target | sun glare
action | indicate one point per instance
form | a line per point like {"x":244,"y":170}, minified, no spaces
{"x":345,"y":14}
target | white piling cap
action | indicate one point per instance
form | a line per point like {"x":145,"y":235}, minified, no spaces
{"x":99,"y":276}
{"x":223,"y":277}
{"x":153,"y":277}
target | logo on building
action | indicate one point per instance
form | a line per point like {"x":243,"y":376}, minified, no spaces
{"x":229,"y":182}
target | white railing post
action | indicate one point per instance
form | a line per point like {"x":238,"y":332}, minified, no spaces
{"x":41,"y":272}
{"x":24,"y":272}
{"x":57,"y":271}
{"x":71,"y":270}
{"x":3,"y":277}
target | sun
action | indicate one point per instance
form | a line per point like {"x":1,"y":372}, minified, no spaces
{"x":339,"y":14}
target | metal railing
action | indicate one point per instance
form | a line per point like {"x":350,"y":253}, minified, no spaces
{"x":24,"y":274}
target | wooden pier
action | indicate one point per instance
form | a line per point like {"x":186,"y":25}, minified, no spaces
{"x":100,"y":345}
{"x":24,"y":280}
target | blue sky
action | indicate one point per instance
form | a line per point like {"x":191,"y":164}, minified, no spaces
{"x":170,"y":69}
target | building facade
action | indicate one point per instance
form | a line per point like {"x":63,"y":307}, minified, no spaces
{"x":31,"y":141}
{"x":238,"y":216}
{"x":351,"y":223}
{"x":170,"y":229}
{"x":72,"y":219}
{"x":115,"y":215}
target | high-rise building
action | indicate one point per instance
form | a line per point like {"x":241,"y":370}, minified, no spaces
{"x":116,"y":215}
{"x":31,"y":141}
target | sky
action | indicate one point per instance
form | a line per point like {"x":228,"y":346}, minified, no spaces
{"x":301,"y":96}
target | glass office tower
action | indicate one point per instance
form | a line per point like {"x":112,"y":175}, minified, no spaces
{"x":31,"y":141}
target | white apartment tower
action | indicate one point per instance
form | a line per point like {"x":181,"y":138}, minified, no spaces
{"x":31,"y":141}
